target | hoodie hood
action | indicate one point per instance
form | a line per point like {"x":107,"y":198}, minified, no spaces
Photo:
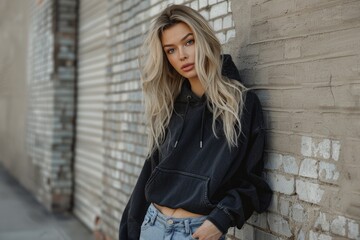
{"x":228,"y":70}
{"x":188,"y":98}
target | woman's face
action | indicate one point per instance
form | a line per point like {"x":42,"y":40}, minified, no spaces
{"x":179,"y":46}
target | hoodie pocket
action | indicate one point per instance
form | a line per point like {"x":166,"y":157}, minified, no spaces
{"x":178,"y":189}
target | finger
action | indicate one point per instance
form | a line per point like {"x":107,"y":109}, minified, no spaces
{"x":194,"y":236}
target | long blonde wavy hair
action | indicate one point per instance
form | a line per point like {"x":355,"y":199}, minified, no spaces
{"x":161,"y":83}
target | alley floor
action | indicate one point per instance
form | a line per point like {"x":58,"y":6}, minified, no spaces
{"x":22,"y":217}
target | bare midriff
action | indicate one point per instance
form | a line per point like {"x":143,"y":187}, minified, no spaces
{"x":176,"y":213}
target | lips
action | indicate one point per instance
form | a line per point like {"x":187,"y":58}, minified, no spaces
{"x":187,"y":67}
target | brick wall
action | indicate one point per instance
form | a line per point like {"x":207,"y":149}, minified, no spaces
{"x":302,"y":57}
{"x":51,"y":100}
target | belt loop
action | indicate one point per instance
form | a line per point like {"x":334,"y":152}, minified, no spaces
{"x":153,"y":218}
{"x":187,"y":226}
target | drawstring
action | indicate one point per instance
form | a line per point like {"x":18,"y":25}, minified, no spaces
{"x":183,"y":123}
{"x":202,"y":127}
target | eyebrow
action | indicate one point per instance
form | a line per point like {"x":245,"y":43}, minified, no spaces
{"x":169,"y":45}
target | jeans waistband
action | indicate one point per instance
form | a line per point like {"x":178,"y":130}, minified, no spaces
{"x":154,"y":214}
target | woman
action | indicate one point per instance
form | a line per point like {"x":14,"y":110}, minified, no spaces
{"x":203,"y":170}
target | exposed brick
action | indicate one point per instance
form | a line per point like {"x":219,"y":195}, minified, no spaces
{"x":322,"y":222}
{"x":312,"y":148}
{"x":301,"y":235}
{"x":328,"y":172}
{"x":309,"y":168}
{"x":273,"y":161}
{"x":298,"y":213}
{"x":218,"y":9}
{"x":281,"y":183}
{"x":353,"y":229}
{"x":228,"y":21}
{"x":317,"y":236}
{"x":284,"y":205}
{"x":338,"y":225}
{"x":258,"y":220}
{"x":279,"y":225}
{"x":309,"y":192}
{"x":290,"y":165}
{"x":202,"y":3}
{"x":218,"y":24}
{"x":274,"y":203}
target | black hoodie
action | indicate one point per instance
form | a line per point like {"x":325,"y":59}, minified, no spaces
{"x":197,"y":171}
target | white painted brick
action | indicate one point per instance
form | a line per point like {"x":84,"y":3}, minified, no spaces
{"x":202,"y":3}
{"x":274,"y":203}
{"x":322,"y":223}
{"x":246,"y":232}
{"x":228,"y":21}
{"x":338,"y":225}
{"x":230,"y":34}
{"x":218,"y":24}
{"x":298,"y":213}
{"x":218,"y":10}
{"x":221,"y":36}
{"x":353,"y":230}
{"x":312,"y":148}
{"x":322,"y":149}
{"x":195,"y":5}
{"x":290,"y":165}
{"x":154,"y":10}
{"x":335,"y":150}
{"x":306,"y":143}
{"x":261,"y":235}
{"x":258,"y":220}
{"x":301,"y":235}
{"x":274,"y":161}
{"x":316,"y":236}
{"x":309,"y":192}
{"x":327,"y":171}
{"x":313,"y":235}
{"x":284,"y":206}
{"x":205,"y":14}
{"x":280,"y":183}
{"x":211,"y":2}
{"x":231,"y":230}
{"x":309,"y":168}
{"x":279,"y":225}
{"x":179,"y":1}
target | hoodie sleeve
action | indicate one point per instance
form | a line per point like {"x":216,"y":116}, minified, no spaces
{"x":137,"y":206}
{"x":248,"y":191}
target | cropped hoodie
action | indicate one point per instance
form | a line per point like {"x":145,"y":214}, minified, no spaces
{"x":199,"y":172}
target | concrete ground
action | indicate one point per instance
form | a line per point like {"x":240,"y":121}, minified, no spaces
{"x":22,"y":217}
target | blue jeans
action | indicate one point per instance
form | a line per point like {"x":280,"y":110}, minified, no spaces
{"x":157,"y":226}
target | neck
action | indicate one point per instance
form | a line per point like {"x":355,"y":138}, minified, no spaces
{"x":196,"y":86}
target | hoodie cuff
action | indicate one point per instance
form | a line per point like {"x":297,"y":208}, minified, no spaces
{"x":221,"y":219}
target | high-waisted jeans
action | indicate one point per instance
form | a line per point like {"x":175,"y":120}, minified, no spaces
{"x":157,"y":226}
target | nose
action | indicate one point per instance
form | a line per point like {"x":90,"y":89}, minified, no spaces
{"x":183,"y":54}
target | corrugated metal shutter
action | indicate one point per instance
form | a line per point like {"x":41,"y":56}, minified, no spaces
{"x":88,"y":166}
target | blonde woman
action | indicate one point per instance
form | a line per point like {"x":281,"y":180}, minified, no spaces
{"x":205,"y":161}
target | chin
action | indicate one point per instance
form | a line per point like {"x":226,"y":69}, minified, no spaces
{"x":190,"y":75}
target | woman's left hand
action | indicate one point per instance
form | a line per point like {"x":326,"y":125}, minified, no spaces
{"x":207,"y":231}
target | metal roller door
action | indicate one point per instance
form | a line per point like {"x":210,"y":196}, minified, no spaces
{"x":88,"y":165}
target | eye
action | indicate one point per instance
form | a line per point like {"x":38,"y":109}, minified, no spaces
{"x":190,"y":42}
{"x":170,"y":51}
